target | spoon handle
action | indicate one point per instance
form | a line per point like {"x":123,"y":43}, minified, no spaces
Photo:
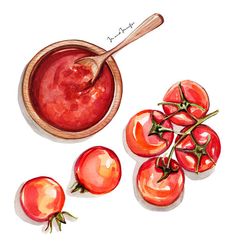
{"x":145,"y":27}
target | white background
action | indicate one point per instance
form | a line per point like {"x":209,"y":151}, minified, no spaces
{"x":196,"y":42}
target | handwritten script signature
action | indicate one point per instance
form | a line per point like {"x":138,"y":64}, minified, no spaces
{"x":121,"y":31}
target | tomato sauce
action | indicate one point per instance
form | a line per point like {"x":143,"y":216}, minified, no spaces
{"x":59,"y":93}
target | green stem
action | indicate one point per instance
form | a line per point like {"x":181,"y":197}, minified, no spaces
{"x":197,"y":106}
{"x":59,"y":218}
{"x":186,"y":133}
{"x":78,"y":187}
{"x":168,"y":103}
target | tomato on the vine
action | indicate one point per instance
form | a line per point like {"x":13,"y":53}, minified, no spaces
{"x":160,"y":183}
{"x":97,"y":170}
{"x":199,"y":150}
{"x":185,"y":102}
{"x":148,"y":134}
{"x":42,"y":199}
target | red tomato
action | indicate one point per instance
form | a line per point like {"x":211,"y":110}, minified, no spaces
{"x":97,"y":170}
{"x":42,"y":199}
{"x":148,"y":134}
{"x":200,"y":150}
{"x":159,"y":185}
{"x":185,"y":102}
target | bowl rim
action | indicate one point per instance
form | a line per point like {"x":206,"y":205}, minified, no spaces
{"x":26,"y":80}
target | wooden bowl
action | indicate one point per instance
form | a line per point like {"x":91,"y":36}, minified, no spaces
{"x":27,"y":87}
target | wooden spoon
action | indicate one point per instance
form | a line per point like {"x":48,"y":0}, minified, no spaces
{"x":95,"y":63}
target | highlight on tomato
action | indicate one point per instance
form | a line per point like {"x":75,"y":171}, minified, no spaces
{"x":42,"y":199}
{"x":148,"y":133}
{"x":97,"y":170}
{"x":185,"y":102}
{"x":199,"y":150}
{"x":160,"y":181}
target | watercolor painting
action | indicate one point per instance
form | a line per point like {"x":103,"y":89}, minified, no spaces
{"x":116,"y":121}
{"x":71,"y":92}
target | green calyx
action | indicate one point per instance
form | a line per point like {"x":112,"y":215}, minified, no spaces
{"x":167,"y":170}
{"x":183,"y":105}
{"x":199,"y":150}
{"x":78,"y":187}
{"x":158,"y":129}
{"x":59,"y":218}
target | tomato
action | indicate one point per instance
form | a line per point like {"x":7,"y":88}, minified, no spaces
{"x":198,"y":151}
{"x":148,"y":134}
{"x":42,"y":199}
{"x":97,"y":170}
{"x":185,"y":102}
{"x":158,"y":184}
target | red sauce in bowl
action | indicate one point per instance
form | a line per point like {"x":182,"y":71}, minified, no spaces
{"x":57,"y":91}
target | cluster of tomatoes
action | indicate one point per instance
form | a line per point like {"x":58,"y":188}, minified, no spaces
{"x":150,"y":133}
{"x":97,"y":170}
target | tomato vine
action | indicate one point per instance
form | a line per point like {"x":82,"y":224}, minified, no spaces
{"x":189,"y":131}
{"x":150,"y":133}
